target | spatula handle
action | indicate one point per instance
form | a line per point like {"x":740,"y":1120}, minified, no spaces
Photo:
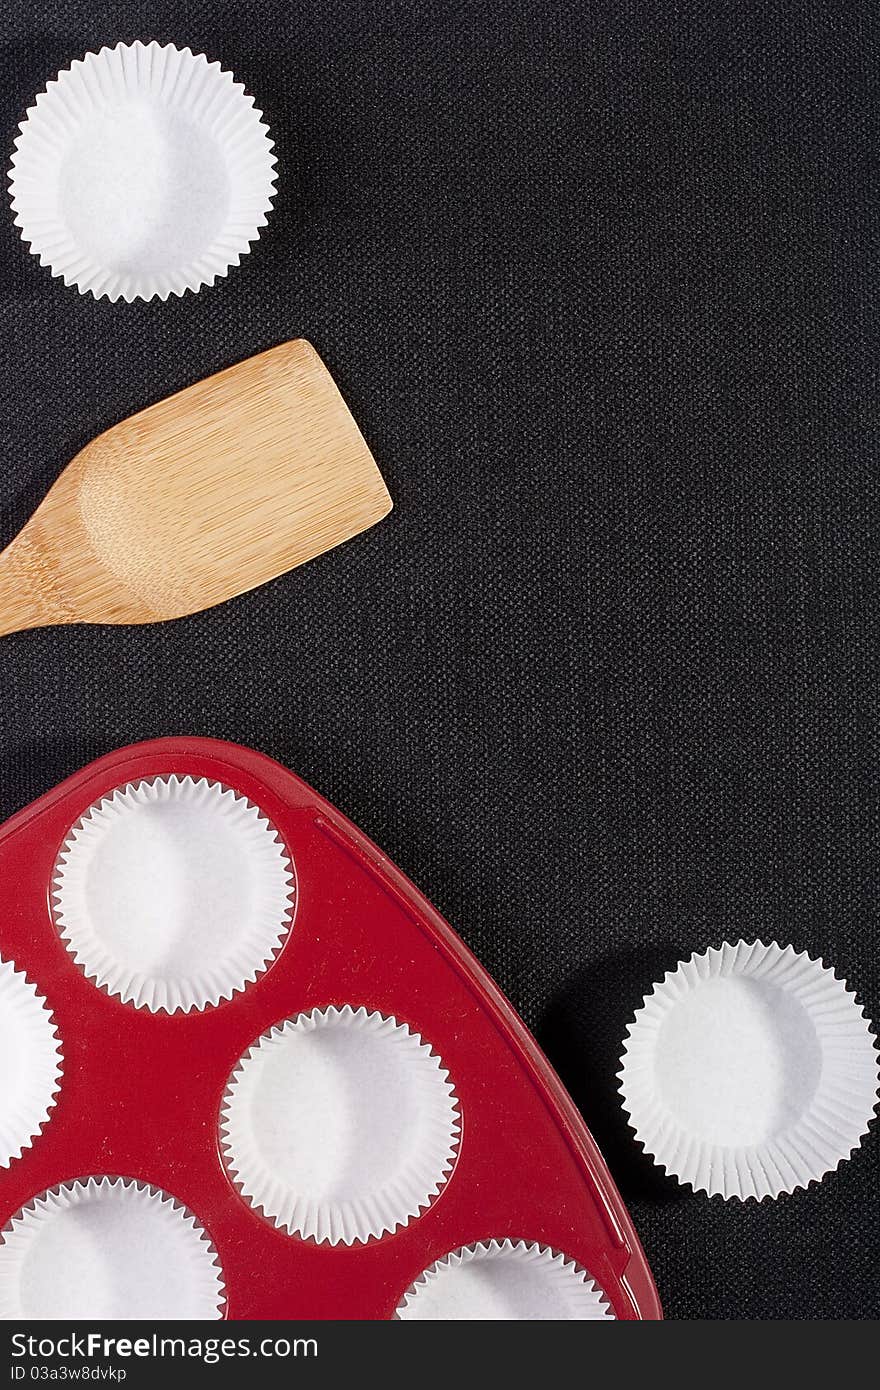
{"x":27,"y":596}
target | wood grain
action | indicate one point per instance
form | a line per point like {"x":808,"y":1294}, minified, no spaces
{"x":207,"y":494}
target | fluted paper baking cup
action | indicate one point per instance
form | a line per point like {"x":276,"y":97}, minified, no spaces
{"x":340,"y":1125}
{"x":142,"y":170}
{"x":107,"y":1248}
{"x":30,"y":1063}
{"x":173,"y":893}
{"x":750,"y":1070}
{"x":504,"y":1281}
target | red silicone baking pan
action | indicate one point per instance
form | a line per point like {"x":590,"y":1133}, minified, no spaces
{"x":142,"y":1090}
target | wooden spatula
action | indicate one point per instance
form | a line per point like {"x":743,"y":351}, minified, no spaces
{"x":217,"y":489}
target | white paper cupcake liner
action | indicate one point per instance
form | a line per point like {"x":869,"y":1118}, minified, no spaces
{"x":30,"y":1063}
{"x":173,"y":893}
{"x":142,"y":170}
{"x":107,"y":1248}
{"x":504,"y":1281}
{"x":750,"y":1071}
{"x":340,"y":1125}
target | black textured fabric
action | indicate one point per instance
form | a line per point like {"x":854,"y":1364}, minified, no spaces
{"x":600,"y":283}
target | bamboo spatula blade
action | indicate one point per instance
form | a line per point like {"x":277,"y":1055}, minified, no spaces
{"x":205,"y":495}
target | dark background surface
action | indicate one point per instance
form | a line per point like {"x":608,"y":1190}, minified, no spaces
{"x":600,"y":284}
